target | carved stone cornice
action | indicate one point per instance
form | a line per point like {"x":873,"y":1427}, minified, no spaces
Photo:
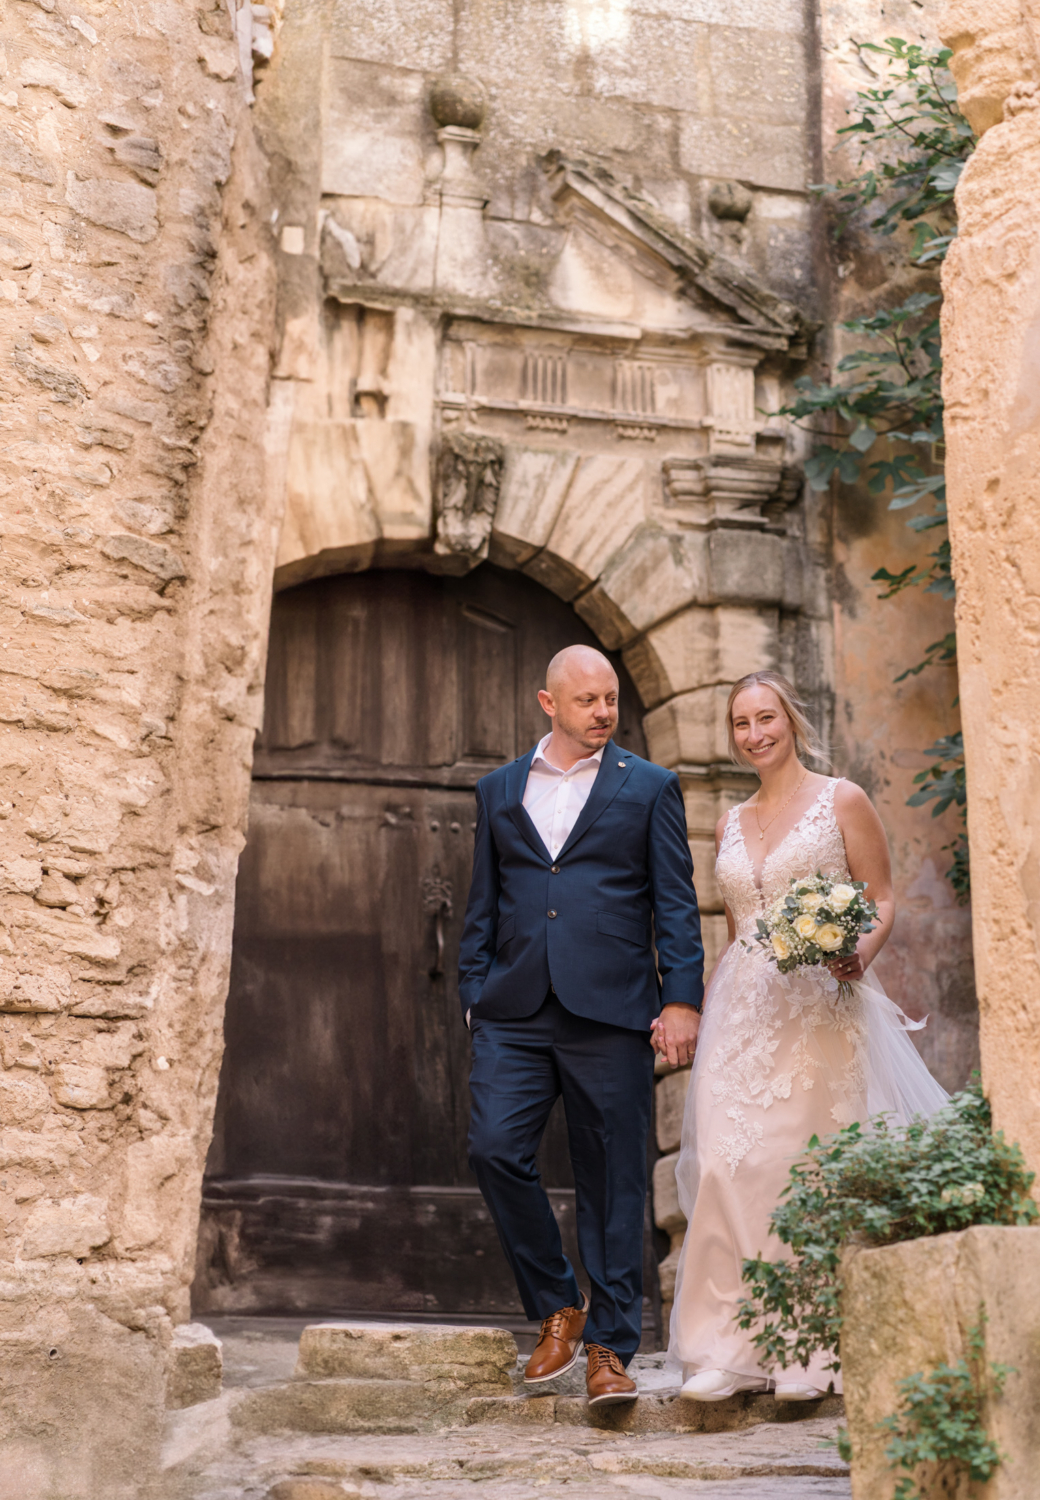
{"x":727,"y":490}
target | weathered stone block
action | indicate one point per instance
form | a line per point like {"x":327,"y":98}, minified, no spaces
{"x":534,"y":486}
{"x":373,"y":145}
{"x":313,"y":1489}
{"x":667,"y":1213}
{"x":703,"y":645}
{"x":82,"y":1086}
{"x":669,"y":1104}
{"x":908,"y":1308}
{"x":341,"y":1406}
{"x":747,"y":567}
{"x":127,"y":207}
{"x":689,"y":728}
{"x":605,"y":503}
{"x":196,"y":1367}
{"x":666,"y":1270}
{"x":765,"y":155}
{"x":655,"y":574}
{"x":22,"y":1098}
{"x":407,"y":1351}
{"x":75,"y":1226}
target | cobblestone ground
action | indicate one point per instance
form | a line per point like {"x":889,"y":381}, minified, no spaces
{"x":780,"y":1459}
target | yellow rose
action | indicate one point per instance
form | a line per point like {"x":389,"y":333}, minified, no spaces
{"x":830,"y":937}
{"x":805,"y":926}
{"x":812,"y":902}
{"x":780,"y":946}
{"x":841,"y":896}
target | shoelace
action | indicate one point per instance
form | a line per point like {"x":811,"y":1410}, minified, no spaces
{"x":598,"y":1357}
{"x":553,"y":1326}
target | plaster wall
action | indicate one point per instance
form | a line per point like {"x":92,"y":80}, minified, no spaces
{"x":882,"y":728}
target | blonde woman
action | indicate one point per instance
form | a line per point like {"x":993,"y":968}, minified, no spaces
{"x":780,"y":1057}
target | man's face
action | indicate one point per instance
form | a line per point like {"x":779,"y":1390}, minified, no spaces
{"x":584,"y":706}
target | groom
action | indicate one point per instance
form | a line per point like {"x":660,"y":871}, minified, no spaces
{"x":581,"y":868}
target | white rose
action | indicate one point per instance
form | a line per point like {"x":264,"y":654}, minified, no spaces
{"x":829,"y":936}
{"x":813,"y":901}
{"x":841,"y":896}
{"x":780,"y":946}
{"x":805,"y":926}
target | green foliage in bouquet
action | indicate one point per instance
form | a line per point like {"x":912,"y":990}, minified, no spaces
{"x":939,"y":1427}
{"x":876,"y":1187}
{"x":814,"y":920}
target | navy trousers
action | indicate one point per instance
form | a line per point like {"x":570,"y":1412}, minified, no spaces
{"x":605,"y":1074}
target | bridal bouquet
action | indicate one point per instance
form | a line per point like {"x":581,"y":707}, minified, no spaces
{"x":814,"y":920}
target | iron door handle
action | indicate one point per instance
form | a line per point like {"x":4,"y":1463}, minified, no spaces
{"x":438,"y":902}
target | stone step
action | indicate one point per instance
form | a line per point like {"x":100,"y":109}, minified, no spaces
{"x":414,"y":1378}
{"x":410,"y":1406}
{"x":786,"y":1462}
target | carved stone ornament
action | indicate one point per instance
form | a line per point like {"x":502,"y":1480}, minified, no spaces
{"x":469,"y":477}
{"x":724,"y":490}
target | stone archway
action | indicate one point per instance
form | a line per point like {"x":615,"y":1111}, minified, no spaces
{"x":338,"y":1179}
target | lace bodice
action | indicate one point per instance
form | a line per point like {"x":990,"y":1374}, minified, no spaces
{"x":814,"y":843}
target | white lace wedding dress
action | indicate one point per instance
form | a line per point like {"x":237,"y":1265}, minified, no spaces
{"x":780,"y":1058}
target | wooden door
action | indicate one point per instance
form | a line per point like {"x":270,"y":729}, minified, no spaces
{"x":338,"y":1178}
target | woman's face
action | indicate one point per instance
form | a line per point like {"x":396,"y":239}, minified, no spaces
{"x":761,"y":728}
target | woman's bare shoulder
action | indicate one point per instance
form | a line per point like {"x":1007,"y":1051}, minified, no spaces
{"x":851,"y":802}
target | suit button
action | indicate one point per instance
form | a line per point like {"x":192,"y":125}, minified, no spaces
{"x":556,"y":869}
{"x":552,"y":914}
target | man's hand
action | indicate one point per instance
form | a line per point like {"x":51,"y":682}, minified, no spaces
{"x":674,"y":1034}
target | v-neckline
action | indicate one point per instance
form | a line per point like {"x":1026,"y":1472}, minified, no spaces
{"x":756,"y":881}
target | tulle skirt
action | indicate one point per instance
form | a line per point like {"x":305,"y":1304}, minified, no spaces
{"x":780,"y":1058}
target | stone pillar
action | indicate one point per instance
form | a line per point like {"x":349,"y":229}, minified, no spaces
{"x":991,"y":317}
{"x":136,"y":323}
{"x":912,"y":1307}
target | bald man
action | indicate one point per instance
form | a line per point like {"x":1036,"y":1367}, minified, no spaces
{"x":581,"y":868}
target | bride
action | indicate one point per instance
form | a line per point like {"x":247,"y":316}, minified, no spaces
{"x":779,"y":1057}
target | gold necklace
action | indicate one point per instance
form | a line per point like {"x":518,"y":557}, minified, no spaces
{"x":754,"y":808}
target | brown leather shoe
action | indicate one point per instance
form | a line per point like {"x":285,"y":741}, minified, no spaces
{"x":556,"y":1351}
{"x":605,"y":1379}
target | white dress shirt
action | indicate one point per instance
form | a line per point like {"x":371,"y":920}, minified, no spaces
{"x":554,"y":798}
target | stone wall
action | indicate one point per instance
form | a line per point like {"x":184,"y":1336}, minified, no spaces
{"x":541,"y":314}
{"x":136,"y":310}
{"x":882,"y":728}
{"x":992,"y":286}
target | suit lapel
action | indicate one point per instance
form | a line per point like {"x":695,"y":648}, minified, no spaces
{"x":614,"y":770}
{"x":516,"y":784}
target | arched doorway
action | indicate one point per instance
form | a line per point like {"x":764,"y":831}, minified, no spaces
{"x":337,"y":1179}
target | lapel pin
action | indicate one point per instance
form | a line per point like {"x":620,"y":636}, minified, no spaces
{"x":622,"y":764}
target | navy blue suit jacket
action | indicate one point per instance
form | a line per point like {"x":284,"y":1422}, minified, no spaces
{"x":583,"y":923}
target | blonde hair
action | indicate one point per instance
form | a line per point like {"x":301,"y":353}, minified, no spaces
{"x":807,"y":741}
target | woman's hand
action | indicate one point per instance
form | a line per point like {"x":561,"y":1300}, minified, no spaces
{"x":851,"y":967}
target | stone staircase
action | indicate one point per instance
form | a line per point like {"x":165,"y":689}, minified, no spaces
{"x":404,"y":1409}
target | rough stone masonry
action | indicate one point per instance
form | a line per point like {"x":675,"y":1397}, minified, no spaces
{"x":142,"y":480}
{"x":136,"y":306}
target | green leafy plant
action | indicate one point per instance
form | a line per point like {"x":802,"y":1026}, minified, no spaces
{"x":887,"y":398}
{"x":876,"y":1187}
{"x":945,"y":783}
{"x":939,"y":1427}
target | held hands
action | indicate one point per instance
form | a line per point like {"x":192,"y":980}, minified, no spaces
{"x":674,"y":1034}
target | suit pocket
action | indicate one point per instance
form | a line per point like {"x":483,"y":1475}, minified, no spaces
{"x":623,"y":927}
{"x":506,"y":930}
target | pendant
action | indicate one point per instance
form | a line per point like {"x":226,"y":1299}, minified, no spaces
{"x":761,"y":836}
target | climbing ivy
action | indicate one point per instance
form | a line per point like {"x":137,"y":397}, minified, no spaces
{"x":914,"y":143}
{"x":939,"y":1427}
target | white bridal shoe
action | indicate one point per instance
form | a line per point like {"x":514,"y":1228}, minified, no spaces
{"x":790,"y":1390}
{"x":716,"y":1385}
